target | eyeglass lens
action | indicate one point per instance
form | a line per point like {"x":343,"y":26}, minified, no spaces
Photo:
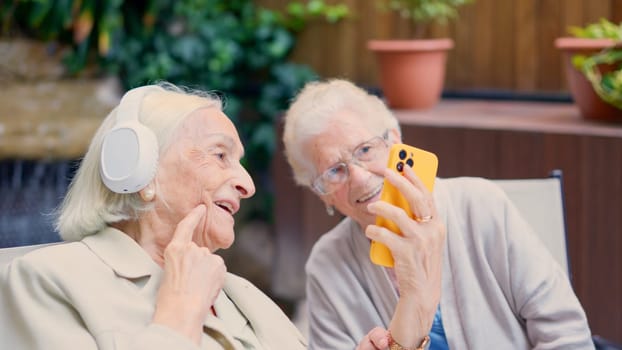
{"x":336,"y":175}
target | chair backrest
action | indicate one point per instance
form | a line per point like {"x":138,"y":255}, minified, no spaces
{"x":8,"y":254}
{"x":541,"y":202}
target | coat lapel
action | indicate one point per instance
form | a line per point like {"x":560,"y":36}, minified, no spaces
{"x":271,"y":326}
{"x":122,"y":254}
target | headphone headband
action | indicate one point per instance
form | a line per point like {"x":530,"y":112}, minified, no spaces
{"x":131,"y":103}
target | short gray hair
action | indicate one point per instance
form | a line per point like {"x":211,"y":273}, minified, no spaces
{"x":89,"y":205}
{"x":314,"y":106}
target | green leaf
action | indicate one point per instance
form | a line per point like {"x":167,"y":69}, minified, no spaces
{"x":40,"y":9}
{"x":578,"y":61}
{"x":425,"y":11}
{"x":296,"y":8}
{"x":316,"y":7}
{"x":603,"y":29}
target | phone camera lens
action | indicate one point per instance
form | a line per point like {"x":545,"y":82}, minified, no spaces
{"x":402,"y":154}
{"x":400,"y":167}
{"x":410,"y":162}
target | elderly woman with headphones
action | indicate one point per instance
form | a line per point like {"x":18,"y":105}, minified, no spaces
{"x":153,"y":199}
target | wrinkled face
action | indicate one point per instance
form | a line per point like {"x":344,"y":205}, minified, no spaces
{"x":342,"y":136}
{"x":202,"y":165}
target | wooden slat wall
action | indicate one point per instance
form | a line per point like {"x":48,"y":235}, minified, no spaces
{"x":500,"y":45}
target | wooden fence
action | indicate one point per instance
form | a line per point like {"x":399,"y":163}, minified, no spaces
{"x":500,"y":45}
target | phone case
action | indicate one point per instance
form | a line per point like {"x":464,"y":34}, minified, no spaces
{"x":425,"y":165}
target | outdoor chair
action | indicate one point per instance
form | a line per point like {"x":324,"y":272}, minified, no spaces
{"x":541,"y":202}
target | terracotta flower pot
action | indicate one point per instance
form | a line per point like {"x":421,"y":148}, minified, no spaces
{"x":412,"y":72}
{"x":583,"y":94}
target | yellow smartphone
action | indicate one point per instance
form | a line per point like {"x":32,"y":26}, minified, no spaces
{"x":425,"y":165}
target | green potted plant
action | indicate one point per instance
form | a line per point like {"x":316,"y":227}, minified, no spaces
{"x":412,"y":72}
{"x":593,"y":62}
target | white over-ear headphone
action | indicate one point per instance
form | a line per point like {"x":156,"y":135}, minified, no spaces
{"x":129,"y":154}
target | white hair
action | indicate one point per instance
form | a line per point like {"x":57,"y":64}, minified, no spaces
{"x":314,"y":107}
{"x":89,"y":205}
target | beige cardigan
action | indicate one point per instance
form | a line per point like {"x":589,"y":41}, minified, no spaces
{"x":100,"y":293}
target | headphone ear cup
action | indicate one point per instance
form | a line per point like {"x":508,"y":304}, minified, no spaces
{"x":129,"y":157}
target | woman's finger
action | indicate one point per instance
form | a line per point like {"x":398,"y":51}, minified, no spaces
{"x":412,"y":189}
{"x":412,"y":176}
{"x":376,"y":339}
{"x":185,"y":228}
{"x":379,"y":337}
{"x":384,"y":236}
{"x":427,"y":198}
{"x":395,"y":214}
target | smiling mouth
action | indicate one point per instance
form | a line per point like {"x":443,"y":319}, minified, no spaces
{"x":225,"y":206}
{"x":371,"y":195}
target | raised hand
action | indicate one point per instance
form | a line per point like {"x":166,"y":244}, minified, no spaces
{"x":418,"y":255}
{"x":192,"y":279}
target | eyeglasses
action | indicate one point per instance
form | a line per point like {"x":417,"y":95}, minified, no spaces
{"x":335,"y":176}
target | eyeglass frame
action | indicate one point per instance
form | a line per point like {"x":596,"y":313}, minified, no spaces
{"x":317,"y":187}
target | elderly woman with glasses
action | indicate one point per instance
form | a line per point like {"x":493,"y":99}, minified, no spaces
{"x":469,"y":272}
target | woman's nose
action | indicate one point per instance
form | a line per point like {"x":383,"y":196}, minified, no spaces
{"x":358,"y":170}
{"x":244,"y":183}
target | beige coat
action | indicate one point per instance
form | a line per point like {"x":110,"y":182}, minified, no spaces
{"x":100,"y":293}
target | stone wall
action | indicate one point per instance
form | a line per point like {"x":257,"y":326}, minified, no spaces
{"x":42,"y":114}
{"x":46,"y":124}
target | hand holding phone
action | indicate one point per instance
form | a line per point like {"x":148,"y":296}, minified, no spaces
{"x":425,"y":165}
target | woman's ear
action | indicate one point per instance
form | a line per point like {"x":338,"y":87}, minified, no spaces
{"x":148,"y":193}
{"x":394,"y":136}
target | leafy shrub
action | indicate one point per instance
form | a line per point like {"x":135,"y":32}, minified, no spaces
{"x":233,"y":47}
{"x":607,"y":85}
{"x":424,"y":12}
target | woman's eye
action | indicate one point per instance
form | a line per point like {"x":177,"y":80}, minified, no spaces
{"x":335,"y":172}
{"x":222,"y":157}
{"x":364,"y":150}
